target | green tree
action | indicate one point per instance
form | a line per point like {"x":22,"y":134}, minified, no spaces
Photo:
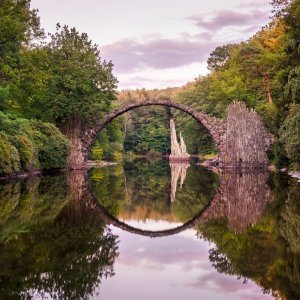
{"x":73,"y":86}
{"x":218,"y":58}
{"x":19,"y":26}
{"x":290,"y":135}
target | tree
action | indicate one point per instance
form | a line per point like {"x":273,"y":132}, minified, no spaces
{"x":66,"y":82}
{"x":219,"y":57}
{"x":280,"y":7}
{"x":290,"y":135}
{"x":19,"y":26}
{"x":82,"y":85}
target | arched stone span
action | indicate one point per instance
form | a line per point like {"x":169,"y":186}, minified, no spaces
{"x":241,"y":138}
{"x":215,"y":126}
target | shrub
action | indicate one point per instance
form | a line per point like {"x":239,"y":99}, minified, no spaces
{"x":30,"y":144}
{"x":52,"y":144}
{"x":28,"y":153}
{"x":9,"y":157}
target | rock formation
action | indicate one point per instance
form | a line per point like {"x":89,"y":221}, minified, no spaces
{"x":178,"y":150}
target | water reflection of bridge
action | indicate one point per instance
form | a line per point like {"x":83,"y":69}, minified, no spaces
{"x":241,"y":198}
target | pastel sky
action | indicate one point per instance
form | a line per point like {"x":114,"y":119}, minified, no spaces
{"x":157,"y":43}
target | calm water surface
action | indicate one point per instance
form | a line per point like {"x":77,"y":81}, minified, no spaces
{"x":148,"y":230}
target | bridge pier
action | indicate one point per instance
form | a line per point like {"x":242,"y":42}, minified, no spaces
{"x":246,"y":140}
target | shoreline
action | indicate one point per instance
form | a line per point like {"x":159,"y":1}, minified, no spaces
{"x":23,"y":175}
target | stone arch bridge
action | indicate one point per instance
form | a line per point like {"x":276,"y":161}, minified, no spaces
{"x":241,"y":138}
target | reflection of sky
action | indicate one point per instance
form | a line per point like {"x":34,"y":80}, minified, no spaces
{"x":174,"y":267}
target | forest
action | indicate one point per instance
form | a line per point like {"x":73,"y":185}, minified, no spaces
{"x":53,"y":87}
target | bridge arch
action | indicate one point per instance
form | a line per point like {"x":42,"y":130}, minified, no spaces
{"x":215,"y":126}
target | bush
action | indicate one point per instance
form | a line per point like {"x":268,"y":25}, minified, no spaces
{"x":153,"y":153}
{"x":28,"y":145}
{"x":53,"y":146}
{"x":27,"y":153}
{"x":9,"y":157}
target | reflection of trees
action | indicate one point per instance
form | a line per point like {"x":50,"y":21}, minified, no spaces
{"x":108,"y":186}
{"x":143,"y":191}
{"x":140,"y":189}
{"x":50,"y":244}
{"x":26,"y":202}
{"x":198,"y":190}
{"x":266,"y":252}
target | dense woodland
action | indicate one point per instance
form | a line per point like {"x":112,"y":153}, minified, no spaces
{"x":52,"y":89}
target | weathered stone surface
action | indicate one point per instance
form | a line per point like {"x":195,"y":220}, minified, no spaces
{"x":246,"y":138}
{"x":241,"y":198}
{"x":175,"y":146}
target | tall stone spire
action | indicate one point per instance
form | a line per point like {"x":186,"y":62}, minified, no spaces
{"x":175,"y":147}
{"x":178,"y":150}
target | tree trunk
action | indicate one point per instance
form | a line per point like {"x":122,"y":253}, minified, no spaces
{"x":268,"y":87}
{"x":73,"y":129}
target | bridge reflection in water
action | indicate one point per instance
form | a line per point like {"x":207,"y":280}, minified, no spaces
{"x":241,"y":198}
{"x":54,"y":232}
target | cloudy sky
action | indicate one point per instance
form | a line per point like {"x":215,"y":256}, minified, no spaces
{"x":157,"y":43}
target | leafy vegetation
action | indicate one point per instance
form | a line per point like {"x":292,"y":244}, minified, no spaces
{"x":263,"y":72}
{"x":27,"y":145}
{"x":64,"y":81}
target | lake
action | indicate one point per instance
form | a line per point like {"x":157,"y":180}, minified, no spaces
{"x":145,"y":229}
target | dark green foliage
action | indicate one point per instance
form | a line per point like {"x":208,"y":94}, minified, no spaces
{"x":109,"y":143}
{"x":19,"y":25}
{"x":145,"y":186}
{"x":218,"y":58}
{"x":292,"y":88}
{"x":96,"y":152}
{"x":267,"y":252}
{"x":30,"y":144}
{"x":147,"y":129}
{"x":196,"y":136}
{"x":263,"y":72}
{"x":82,"y":84}
{"x":290,"y":136}
{"x":107,"y":184}
{"x":9,"y":157}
